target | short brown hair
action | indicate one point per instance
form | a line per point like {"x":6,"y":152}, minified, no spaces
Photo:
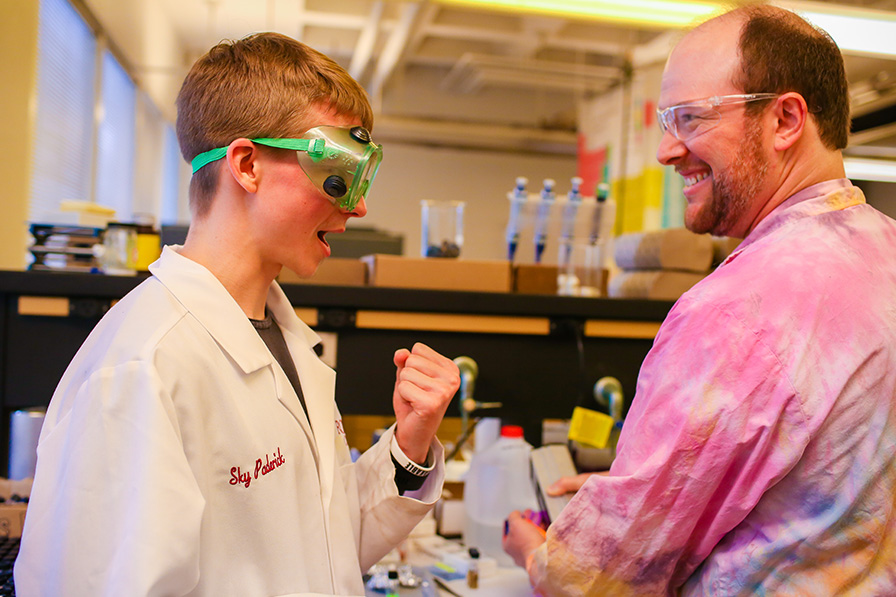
{"x":781,"y":52}
{"x":263,"y":85}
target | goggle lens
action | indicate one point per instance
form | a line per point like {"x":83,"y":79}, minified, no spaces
{"x":346,"y":166}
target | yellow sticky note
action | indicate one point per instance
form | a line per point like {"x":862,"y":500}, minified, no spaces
{"x":590,"y":427}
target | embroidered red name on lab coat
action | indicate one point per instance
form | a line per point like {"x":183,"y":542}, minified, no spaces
{"x":340,"y":431}
{"x":271,"y":462}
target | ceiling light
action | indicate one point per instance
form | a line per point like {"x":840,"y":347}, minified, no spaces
{"x":862,"y":32}
{"x":646,"y":13}
{"x":859,"y":31}
{"x":865,"y":169}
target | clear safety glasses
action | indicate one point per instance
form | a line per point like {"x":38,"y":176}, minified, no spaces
{"x":695,"y":118}
{"x":340,"y":161}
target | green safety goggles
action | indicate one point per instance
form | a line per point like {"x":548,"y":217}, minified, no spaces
{"x":340,"y":161}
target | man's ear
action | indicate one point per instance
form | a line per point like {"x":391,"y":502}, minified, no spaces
{"x":791,"y":114}
{"x":241,"y":159}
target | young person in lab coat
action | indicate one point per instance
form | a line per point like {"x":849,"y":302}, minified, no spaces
{"x":759,"y":453}
{"x":193,"y":446}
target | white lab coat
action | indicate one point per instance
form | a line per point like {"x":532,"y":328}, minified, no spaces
{"x":175,"y":459}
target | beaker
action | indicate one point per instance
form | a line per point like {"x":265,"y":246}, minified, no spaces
{"x":119,"y":256}
{"x":581,"y":271}
{"x":441,"y":228}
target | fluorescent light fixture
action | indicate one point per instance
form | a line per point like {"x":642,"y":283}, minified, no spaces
{"x":857,"y":34}
{"x":865,"y":169}
{"x":646,"y":13}
{"x":860,"y":31}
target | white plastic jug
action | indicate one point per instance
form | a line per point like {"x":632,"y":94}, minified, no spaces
{"x":497,"y":483}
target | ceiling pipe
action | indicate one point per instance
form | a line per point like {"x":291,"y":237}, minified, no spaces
{"x":395,"y":47}
{"x":475,"y":135}
{"x":366,"y":42}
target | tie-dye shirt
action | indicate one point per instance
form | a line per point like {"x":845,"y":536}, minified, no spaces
{"x":759,"y":453}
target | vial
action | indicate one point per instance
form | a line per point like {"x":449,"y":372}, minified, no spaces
{"x":392,"y":591}
{"x":473,"y":570}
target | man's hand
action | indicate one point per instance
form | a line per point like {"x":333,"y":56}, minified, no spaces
{"x":521,"y":537}
{"x":565,"y":485}
{"x":425,"y":382}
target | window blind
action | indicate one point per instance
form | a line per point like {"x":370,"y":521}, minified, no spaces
{"x":173,"y":193}
{"x":64,"y":118}
{"x":149,"y":155}
{"x":116,"y":140}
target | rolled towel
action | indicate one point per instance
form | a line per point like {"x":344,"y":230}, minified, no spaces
{"x":670,"y":249}
{"x":652,"y":284}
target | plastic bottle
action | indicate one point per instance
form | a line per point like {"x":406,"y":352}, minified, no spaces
{"x":497,"y":483}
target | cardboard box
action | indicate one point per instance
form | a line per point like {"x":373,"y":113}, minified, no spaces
{"x":535,"y":279}
{"x":334,"y":271}
{"x":12,"y":519}
{"x":439,"y":274}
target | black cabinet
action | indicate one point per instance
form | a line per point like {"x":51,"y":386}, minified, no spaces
{"x":538,"y":355}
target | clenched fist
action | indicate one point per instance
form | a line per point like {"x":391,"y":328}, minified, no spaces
{"x":425,"y":382}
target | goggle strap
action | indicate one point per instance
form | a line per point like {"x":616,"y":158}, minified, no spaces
{"x":315,"y":147}
{"x":312,"y":146}
{"x":207,"y":157}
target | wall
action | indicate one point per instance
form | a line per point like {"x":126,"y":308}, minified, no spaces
{"x":621,"y":129}
{"x":18,"y":46}
{"x":410,"y":173}
{"x":881,"y":195}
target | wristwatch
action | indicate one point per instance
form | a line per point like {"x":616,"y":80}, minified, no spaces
{"x":401,"y":459}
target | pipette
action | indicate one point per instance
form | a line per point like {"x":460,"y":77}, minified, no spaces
{"x":573,"y":201}
{"x":518,"y":198}
{"x":541,"y":218}
{"x":603,"y":191}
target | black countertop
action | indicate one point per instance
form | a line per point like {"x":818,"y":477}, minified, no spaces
{"x":76,"y":285}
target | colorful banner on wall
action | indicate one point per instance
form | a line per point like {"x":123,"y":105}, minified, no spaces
{"x":618,"y":138}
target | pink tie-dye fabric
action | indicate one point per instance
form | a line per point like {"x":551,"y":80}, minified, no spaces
{"x":759,"y":453}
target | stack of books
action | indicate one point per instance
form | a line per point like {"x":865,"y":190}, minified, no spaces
{"x":59,"y":247}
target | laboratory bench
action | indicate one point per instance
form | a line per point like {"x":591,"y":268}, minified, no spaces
{"x":538,"y":355}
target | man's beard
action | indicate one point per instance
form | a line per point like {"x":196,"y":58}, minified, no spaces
{"x":734,"y":188}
